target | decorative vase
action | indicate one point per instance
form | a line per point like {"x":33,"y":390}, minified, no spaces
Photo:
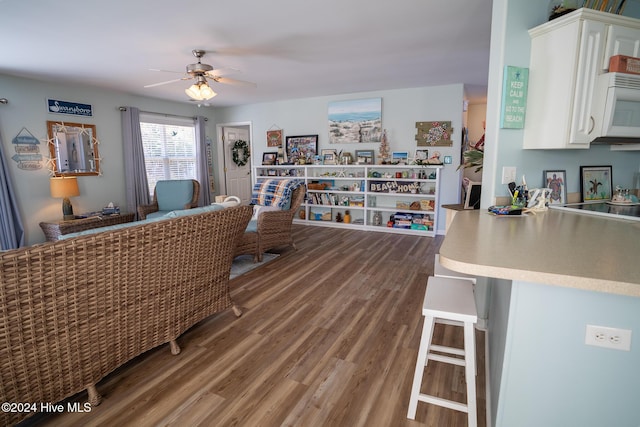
{"x":377,"y":218}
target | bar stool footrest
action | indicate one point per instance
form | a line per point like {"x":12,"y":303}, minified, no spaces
{"x":446,"y":403}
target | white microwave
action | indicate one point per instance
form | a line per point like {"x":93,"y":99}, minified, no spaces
{"x":616,"y":109}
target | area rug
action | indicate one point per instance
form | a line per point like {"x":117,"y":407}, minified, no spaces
{"x":244,"y":263}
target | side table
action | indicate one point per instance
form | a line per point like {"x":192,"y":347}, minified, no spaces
{"x":53,"y":229}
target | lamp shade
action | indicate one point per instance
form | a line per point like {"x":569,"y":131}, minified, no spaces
{"x":64,"y":187}
{"x":200,"y":91}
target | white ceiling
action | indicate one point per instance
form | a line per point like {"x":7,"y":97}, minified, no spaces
{"x":289,"y":48}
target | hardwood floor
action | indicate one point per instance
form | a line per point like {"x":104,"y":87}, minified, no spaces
{"x":329,"y":337}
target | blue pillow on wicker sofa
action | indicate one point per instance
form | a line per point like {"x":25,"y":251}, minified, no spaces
{"x":274,"y":192}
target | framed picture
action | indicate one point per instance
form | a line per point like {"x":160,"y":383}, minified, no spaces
{"x":399,"y":156}
{"x":556,"y":181}
{"x":73,"y":148}
{"x":357,"y":120}
{"x":274,"y":138}
{"x":365,"y":157}
{"x":304,"y":146}
{"x":472,"y":195}
{"x":272,"y":172}
{"x":329,"y":157}
{"x":269,"y":158}
{"x":422,"y":154}
{"x":595,"y":183}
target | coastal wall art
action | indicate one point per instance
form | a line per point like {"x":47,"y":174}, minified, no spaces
{"x":274,"y":138}
{"x":434,"y":133}
{"x":355,"y":121}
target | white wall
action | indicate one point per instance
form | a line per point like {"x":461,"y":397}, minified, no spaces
{"x":27,"y":108}
{"x":401,"y":109}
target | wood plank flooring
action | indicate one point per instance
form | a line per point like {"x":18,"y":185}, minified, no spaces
{"x":329,"y":337}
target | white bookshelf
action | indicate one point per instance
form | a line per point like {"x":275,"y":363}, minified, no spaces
{"x":392,"y":190}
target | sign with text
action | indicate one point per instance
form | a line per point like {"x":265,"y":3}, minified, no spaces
{"x":66,"y":107}
{"x":514,"y":97}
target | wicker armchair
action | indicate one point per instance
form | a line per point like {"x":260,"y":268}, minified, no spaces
{"x":162,"y":205}
{"x":273,"y":229}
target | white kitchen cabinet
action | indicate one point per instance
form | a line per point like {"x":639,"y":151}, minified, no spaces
{"x":567,"y":55}
{"x":388,"y":198}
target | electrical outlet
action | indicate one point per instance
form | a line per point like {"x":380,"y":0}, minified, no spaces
{"x":602,"y":336}
{"x":508,"y":174}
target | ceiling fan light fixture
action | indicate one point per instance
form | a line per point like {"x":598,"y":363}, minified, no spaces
{"x":200,"y":92}
{"x":206,"y":92}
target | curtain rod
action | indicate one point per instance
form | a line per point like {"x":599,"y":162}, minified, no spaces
{"x":164,"y":114}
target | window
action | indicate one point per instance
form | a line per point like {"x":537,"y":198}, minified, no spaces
{"x":169,"y":148}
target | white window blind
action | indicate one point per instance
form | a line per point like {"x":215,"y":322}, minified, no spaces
{"x":169,"y":148}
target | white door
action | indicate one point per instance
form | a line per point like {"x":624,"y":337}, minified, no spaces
{"x":238,"y":178}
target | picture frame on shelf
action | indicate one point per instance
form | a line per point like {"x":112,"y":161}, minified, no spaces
{"x":269,"y":158}
{"x":329,"y":157}
{"x":399,"y":157}
{"x":301,"y":146}
{"x":272,"y":172}
{"x":472,"y":195}
{"x":365,"y":157}
{"x":556,"y":180}
{"x":596,"y":183}
{"x":422,"y":155}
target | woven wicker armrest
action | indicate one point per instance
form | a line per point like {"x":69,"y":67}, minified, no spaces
{"x":144,"y":210}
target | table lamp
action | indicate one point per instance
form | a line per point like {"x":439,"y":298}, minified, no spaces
{"x":65,"y":187}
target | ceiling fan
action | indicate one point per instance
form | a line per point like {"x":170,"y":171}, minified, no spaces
{"x":200,"y":90}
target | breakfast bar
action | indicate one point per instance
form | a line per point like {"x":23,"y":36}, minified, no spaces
{"x":547,"y":277}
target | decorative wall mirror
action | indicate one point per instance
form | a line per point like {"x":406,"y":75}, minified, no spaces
{"x":73,"y":148}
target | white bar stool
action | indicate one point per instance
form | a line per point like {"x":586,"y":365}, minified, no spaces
{"x":453,"y":300}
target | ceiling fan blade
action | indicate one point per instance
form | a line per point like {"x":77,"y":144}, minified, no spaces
{"x":166,"y":71}
{"x":221,"y":72}
{"x":235,"y":82}
{"x":167,"y":82}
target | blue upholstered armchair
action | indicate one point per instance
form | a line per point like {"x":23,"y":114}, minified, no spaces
{"x":171,"y":195}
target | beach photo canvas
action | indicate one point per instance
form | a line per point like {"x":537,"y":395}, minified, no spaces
{"x":355,"y":121}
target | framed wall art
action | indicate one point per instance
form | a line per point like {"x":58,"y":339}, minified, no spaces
{"x":596,"y":183}
{"x":556,"y":181}
{"x":303,"y":146}
{"x":429,"y":134}
{"x":355,"y":121}
{"x":274,"y":138}
{"x":73,"y":148}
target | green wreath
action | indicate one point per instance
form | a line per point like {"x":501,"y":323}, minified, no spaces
{"x":240,"y":152}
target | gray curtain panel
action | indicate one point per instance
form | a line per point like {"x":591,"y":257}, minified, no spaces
{"x":203,"y":162}
{"x":12,"y":231}
{"x":136,"y":185}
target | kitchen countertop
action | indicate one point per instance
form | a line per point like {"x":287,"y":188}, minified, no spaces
{"x":552,"y":247}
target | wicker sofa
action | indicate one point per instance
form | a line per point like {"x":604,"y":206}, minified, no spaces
{"x":74,"y":310}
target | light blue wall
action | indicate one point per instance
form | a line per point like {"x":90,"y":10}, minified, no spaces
{"x":510,"y":45}
{"x":551,"y":378}
{"x":401,"y":109}
{"x":541,"y":372}
{"x":27,"y":108}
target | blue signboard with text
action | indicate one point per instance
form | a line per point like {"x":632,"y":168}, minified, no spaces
{"x":66,"y":107}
